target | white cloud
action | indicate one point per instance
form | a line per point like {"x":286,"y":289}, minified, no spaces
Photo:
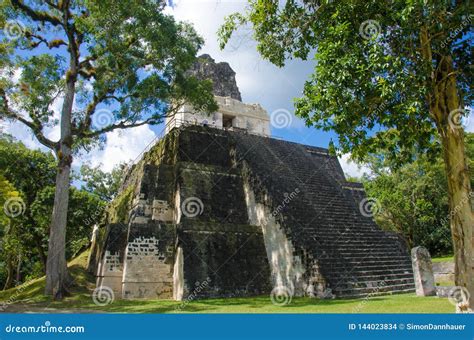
{"x":23,"y":134}
{"x":122,"y":146}
{"x":351,"y":168}
{"x":469,"y":121}
{"x":259,"y":81}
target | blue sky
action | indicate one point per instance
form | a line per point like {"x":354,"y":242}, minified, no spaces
{"x":259,"y":82}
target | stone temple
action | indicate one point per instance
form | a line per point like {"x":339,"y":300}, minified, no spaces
{"x":218,"y":208}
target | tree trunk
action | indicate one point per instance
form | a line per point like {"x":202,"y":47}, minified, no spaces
{"x":94,"y":250}
{"x":9,"y":280}
{"x":459,"y":186}
{"x":56,"y":267}
{"x":57,"y":277}
{"x":41,"y":253}
{"x":18,"y":270}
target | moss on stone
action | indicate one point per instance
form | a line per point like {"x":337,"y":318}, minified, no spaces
{"x":164,"y":151}
{"x":120,"y":207}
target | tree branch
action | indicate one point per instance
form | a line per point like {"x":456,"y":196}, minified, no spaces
{"x":36,"y":128}
{"x":35,"y":14}
{"x":55,"y":43}
{"x":52,"y":4}
{"x":123,"y":124}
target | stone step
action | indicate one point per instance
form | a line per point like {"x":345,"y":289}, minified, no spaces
{"x":367,"y":280}
{"x":376,"y":268}
{"x":375,"y":293}
{"x":369,"y":276}
{"x":350,"y":236}
{"x":324,"y":217}
{"x":370,"y":266}
{"x":349,"y":247}
{"x":362,"y":252}
{"x":367,"y":258}
{"x":364,"y":291}
{"x":347,"y":285}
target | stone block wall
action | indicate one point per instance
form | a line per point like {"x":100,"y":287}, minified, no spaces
{"x":218,"y":213}
{"x":443,"y":271}
{"x":110,"y":267}
{"x":149,"y":259}
{"x":230,"y":257}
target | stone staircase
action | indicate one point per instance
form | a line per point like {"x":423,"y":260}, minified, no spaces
{"x":354,"y":255}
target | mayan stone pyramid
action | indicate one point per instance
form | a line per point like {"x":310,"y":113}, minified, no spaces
{"x":218,"y":208}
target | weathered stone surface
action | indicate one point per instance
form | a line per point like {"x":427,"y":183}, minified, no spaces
{"x":148,"y":265}
{"x":230,"y":115}
{"x":266,"y":213}
{"x":221,"y":74}
{"x":443,"y":271}
{"x":110,"y":267}
{"x":423,"y":272}
{"x":443,"y":291}
{"x":341,"y":250}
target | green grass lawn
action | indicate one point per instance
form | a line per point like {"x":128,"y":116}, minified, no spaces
{"x":29,"y":298}
{"x":442,"y":259}
{"x":403,"y":303}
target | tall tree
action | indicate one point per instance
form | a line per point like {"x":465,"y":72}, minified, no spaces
{"x":103,"y":184}
{"x":110,"y":64}
{"x":27,"y":219}
{"x":389,"y":75}
{"x":12,"y":204}
{"x":413,"y":202}
{"x":30,"y":171}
